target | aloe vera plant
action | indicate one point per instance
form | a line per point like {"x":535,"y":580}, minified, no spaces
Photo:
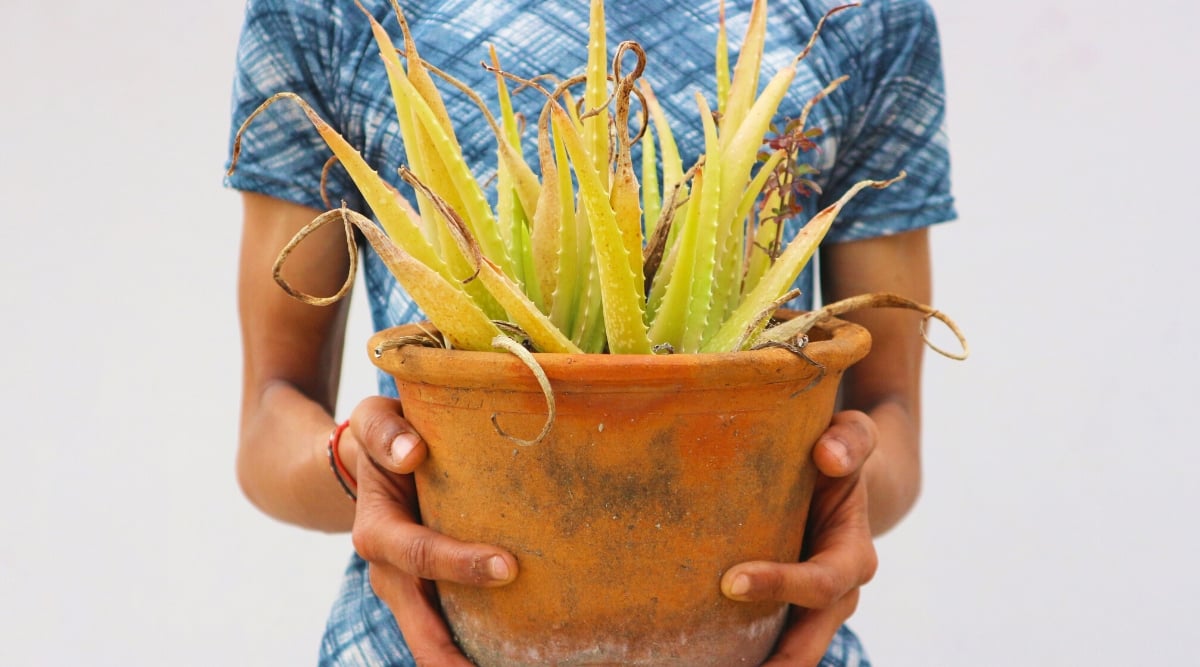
{"x":589,"y":257}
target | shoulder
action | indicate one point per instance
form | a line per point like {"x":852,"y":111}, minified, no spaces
{"x":900,"y":28}
{"x":862,"y":41}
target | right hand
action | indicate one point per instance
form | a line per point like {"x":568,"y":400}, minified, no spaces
{"x":404,"y":557}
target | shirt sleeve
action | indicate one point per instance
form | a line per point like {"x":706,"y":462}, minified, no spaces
{"x":897,"y":124}
{"x":285,"y":46}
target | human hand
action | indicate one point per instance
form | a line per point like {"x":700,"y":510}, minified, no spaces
{"x":824,"y":589}
{"x":405,"y":557}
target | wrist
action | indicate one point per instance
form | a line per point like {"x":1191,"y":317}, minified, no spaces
{"x":351,"y":451}
{"x":336,"y":454}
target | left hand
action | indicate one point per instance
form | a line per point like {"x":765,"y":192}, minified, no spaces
{"x":823,"y":589}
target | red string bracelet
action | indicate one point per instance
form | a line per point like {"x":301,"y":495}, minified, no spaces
{"x":344,"y":478}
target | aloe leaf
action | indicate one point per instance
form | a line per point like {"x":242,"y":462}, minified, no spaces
{"x":783,"y":273}
{"x":595,"y":97}
{"x":754,"y":258}
{"x":541,"y":331}
{"x":422,"y":122}
{"x":651,"y":196}
{"x":590,"y":331}
{"x":722,"y":58}
{"x":383,"y":199}
{"x":520,"y":206}
{"x":450,"y":308}
{"x":756,"y":185}
{"x":417,"y":72}
{"x":556,"y":227}
{"x":745,"y":73}
{"x":707,"y":241}
{"x":506,"y":219}
{"x":547,"y":220}
{"x":507,"y":116}
{"x":670,"y":317}
{"x":520,"y":309}
{"x":628,"y":213}
{"x":726,"y":281}
{"x":661,"y":280}
{"x":589,"y":322}
{"x":523,"y":242}
{"x":767,"y":235}
{"x":477,"y":213}
{"x":739,"y":153}
{"x":620,"y":287}
{"x":672,"y":165}
{"x":422,"y":155}
{"x":432,"y":171}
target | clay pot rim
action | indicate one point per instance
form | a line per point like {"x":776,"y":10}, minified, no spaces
{"x":836,"y":344}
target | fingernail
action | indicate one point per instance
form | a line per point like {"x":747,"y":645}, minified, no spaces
{"x":740,"y":585}
{"x":497,"y":567}
{"x":839,"y":451}
{"x":402,"y":445}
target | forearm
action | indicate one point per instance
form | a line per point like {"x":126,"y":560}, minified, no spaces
{"x":893,"y":472}
{"x":887,"y":383}
{"x":291,"y":366}
{"x":283,"y":464}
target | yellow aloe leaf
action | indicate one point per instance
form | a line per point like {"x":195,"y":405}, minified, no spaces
{"x":506,"y":217}
{"x":522,"y":180}
{"x":745,"y":73}
{"x":595,"y":97}
{"x":588,"y":330}
{"x":620,"y":287}
{"x":739,"y":153}
{"x":755,"y":187}
{"x":628,"y":212}
{"x":570,"y":278}
{"x":722,"y":61}
{"x":738,"y":156}
{"x":766,"y":237}
{"x":507,"y":116}
{"x":507,"y":136}
{"x":670,"y":317}
{"x":450,"y":308}
{"x":783,"y":273}
{"x":475,"y":209}
{"x":672,"y":165}
{"x":432,"y":170}
{"x":417,"y":73}
{"x":651,"y":196}
{"x":520,"y":309}
{"x":754,"y":259}
{"x":546,"y":236}
{"x":707,"y":241}
{"x":590,"y":324}
{"x":383,"y":199}
{"x":624,"y":196}
{"x":658,"y":286}
{"x":524,"y":313}
{"x":423,"y":152}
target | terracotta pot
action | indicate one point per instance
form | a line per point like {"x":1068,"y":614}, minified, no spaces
{"x":660,"y":472}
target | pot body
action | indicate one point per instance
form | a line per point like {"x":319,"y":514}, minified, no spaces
{"x":659,"y":473}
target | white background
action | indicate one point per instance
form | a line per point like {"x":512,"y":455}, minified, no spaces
{"x":1056,"y":525}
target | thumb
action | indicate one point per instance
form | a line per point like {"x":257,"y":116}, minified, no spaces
{"x":385,"y":436}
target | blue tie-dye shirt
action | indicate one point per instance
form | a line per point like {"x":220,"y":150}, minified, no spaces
{"x":888,"y":117}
